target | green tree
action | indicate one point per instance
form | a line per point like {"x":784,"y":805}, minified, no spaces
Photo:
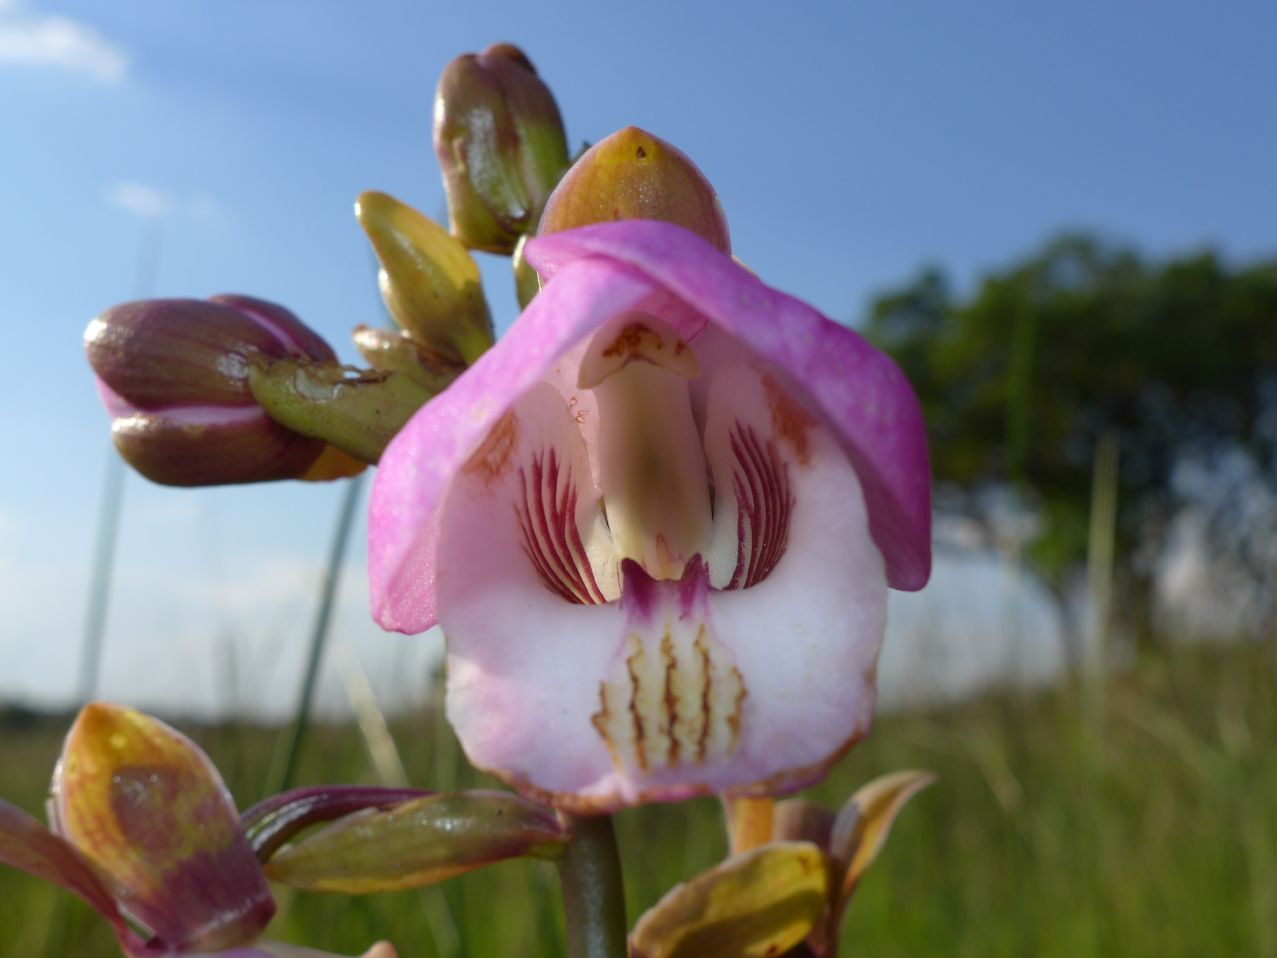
{"x":1021,"y":378}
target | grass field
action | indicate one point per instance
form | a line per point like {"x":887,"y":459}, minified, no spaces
{"x":1151,"y":833}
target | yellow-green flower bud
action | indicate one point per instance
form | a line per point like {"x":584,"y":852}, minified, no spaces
{"x":428,"y":280}
{"x":633,"y":175}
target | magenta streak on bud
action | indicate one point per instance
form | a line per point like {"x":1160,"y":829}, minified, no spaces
{"x":297,"y":338}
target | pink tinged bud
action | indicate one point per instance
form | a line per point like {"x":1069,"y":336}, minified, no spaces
{"x":633,"y":175}
{"x":150,"y":813}
{"x":697,"y":487}
{"x":174,"y":375}
{"x":499,"y":139}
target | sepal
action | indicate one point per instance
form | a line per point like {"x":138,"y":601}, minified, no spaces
{"x":418,"y":842}
{"x":276,"y":820}
{"x":394,"y":351}
{"x":761,"y":903}
{"x":428,"y":280}
{"x":359,"y":412}
{"x":865,"y":821}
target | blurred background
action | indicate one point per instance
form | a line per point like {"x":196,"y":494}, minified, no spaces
{"x":1061,"y":220}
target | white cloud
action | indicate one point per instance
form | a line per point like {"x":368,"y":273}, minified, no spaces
{"x":138,"y":198}
{"x":60,"y":43}
{"x":149,"y":201}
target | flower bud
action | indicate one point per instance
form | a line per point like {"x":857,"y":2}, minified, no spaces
{"x":173,"y":374}
{"x":390,"y":350}
{"x":151,"y":814}
{"x":633,"y":175}
{"x":428,"y":280}
{"x":500,"y":142}
{"x":418,"y":842}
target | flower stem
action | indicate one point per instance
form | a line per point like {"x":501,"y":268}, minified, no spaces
{"x":283,"y":778}
{"x":593,"y":891}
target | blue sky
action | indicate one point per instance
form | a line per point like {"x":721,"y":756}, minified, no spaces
{"x":849,"y":142}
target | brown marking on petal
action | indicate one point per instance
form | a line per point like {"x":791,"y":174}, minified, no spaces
{"x":632,"y":663}
{"x":789,"y":420}
{"x":670,"y":698}
{"x":634,"y":340}
{"x":490,"y":461}
{"x":642,"y":339}
{"x":600,"y":720}
{"x":783,"y":782}
{"x":707,"y":710}
{"x":734,"y":717}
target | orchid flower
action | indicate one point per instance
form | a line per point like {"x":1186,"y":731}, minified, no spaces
{"x":657,"y":523}
{"x":145,"y":832}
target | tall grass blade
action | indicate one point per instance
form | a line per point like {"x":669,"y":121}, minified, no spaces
{"x":319,"y":633}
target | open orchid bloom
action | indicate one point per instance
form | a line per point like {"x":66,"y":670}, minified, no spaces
{"x":145,"y":832}
{"x":657,"y":523}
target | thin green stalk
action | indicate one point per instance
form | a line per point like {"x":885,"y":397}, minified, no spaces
{"x":319,"y":634}
{"x":103,"y":567}
{"x":593,"y":891}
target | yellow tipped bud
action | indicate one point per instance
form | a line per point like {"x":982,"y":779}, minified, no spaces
{"x":633,"y":175}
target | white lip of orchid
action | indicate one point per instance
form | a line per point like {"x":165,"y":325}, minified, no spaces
{"x":683,"y":683}
{"x":652,"y":468}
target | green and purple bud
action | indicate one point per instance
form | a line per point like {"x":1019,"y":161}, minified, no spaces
{"x":174,"y":375}
{"x":149,"y":811}
{"x":633,"y":175}
{"x":500,"y":142}
{"x":417,"y":842}
{"x":429,"y":283}
{"x":145,"y":832}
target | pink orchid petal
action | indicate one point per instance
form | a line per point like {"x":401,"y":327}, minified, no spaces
{"x":523,"y":664}
{"x":585,"y":705}
{"x":806,"y":636}
{"x":420,"y":463}
{"x":855,"y":389}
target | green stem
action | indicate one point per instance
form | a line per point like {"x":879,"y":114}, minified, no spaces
{"x":593,"y":891}
{"x":319,"y":634}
